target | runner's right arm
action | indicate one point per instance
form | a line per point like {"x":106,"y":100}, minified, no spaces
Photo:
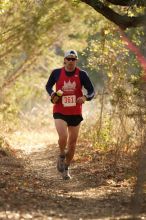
{"x":52,"y":80}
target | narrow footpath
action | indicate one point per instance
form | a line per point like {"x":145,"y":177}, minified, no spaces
{"x":31,"y":187}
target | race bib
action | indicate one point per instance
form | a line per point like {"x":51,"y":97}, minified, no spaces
{"x":69,"y":100}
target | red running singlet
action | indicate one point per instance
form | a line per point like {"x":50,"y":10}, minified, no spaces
{"x":72,"y":89}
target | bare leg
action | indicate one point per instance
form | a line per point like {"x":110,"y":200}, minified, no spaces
{"x":73,"y":132}
{"x":61,"y":127}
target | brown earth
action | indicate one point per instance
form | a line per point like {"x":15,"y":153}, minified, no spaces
{"x":31,"y":187}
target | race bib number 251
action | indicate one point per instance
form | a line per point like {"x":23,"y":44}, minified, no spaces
{"x":69,"y":100}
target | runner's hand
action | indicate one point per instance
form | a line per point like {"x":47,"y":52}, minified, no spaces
{"x":81,"y":100}
{"x":54,"y":98}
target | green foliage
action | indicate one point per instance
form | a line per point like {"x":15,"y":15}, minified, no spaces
{"x":28,"y":28}
{"x":75,"y":2}
{"x":111,"y":63}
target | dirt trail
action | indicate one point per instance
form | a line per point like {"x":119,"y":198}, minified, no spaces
{"x":31,"y":188}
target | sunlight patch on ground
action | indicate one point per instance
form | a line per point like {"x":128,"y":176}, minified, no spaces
{"x":21,"y":215}
{"x":30,"y":141}
{"x":99,"y":193}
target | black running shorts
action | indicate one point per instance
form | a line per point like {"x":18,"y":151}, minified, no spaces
{"x":71,"y":120}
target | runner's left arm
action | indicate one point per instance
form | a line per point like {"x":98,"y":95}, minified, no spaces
{"x":87,"y":84}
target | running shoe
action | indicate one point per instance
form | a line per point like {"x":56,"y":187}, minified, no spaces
{"x":60,"y":163}
{"x":66,"y":175}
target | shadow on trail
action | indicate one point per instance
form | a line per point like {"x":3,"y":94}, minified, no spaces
{"x":32,"y":189}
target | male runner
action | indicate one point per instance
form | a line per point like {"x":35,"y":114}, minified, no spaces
{"x":68,"y":98}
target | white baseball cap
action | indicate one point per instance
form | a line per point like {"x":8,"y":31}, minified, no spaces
{"x":71,"y":53}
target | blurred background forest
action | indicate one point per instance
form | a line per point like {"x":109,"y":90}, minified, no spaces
{"x":34,"y":36}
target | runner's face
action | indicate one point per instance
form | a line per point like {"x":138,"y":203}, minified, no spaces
{"x":70,"y":63}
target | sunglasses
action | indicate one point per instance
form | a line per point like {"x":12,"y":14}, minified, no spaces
{"x":71,"y":59}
